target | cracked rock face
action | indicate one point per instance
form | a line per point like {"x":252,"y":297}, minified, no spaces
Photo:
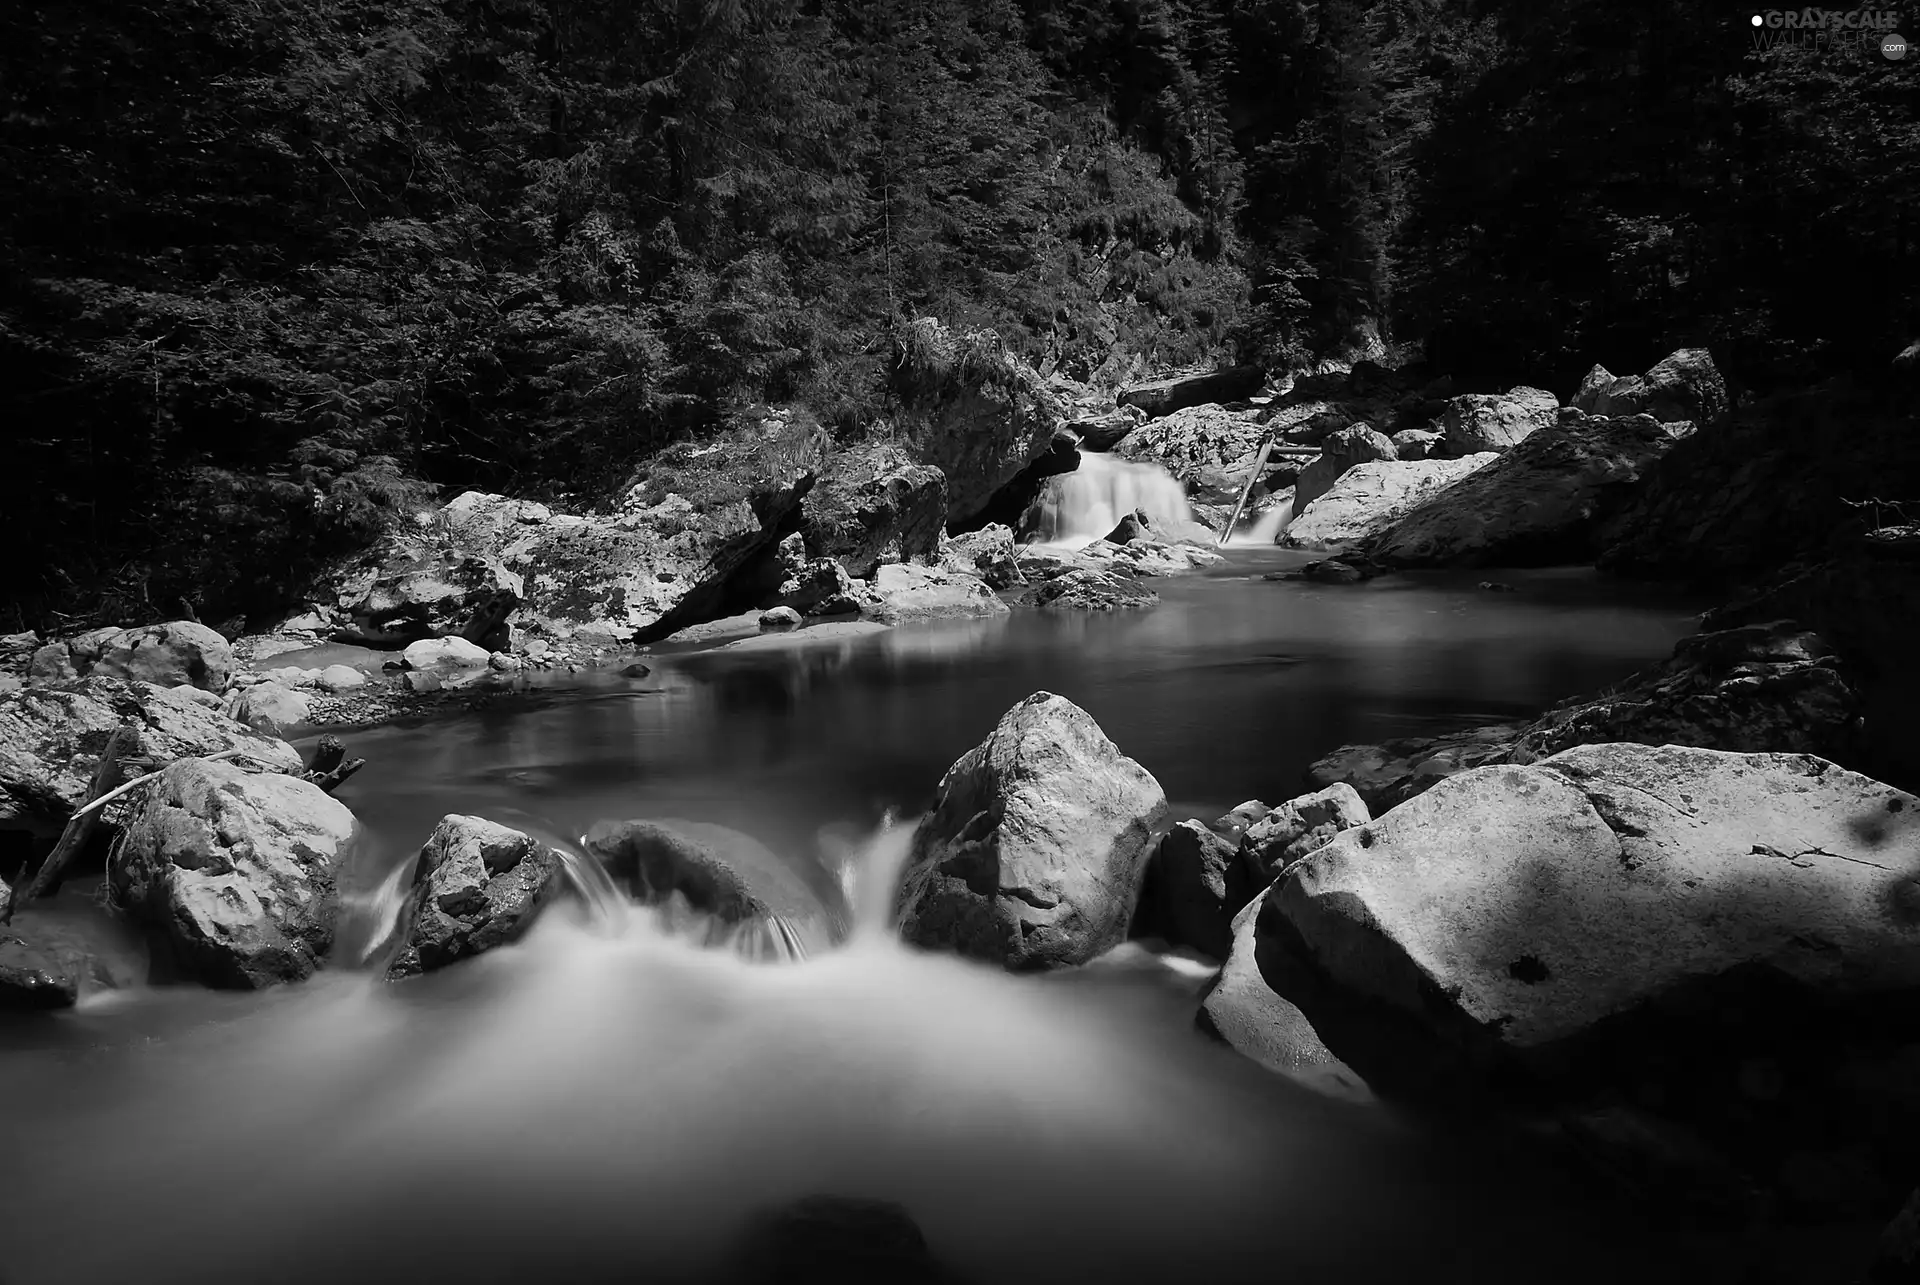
{"x":477,"y":885}
{"x":1037,"y":844}
{"x":1516,"y":909}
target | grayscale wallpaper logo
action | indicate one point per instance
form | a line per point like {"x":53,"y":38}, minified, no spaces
{"x":1863,"y":31}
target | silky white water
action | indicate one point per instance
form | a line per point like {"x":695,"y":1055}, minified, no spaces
{"x":1089,"y":502}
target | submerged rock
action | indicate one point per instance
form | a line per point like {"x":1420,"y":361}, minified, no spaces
{"x":235,"y":871}
{"x":1038,"y":841}
{"x":477,"y":885}
{"x":180,"y":653}
{"x":717,"y":872}
{"x":839,"y":1239}
{"x":51,"y":739}
{"x":33,"y":979}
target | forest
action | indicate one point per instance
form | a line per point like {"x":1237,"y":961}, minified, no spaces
{"x":272,"y":271}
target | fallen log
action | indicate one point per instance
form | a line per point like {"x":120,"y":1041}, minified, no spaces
{"x":80,"y":826}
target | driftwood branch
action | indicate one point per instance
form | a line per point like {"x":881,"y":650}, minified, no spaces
{"x":80,"y":826}
{"x":139,"y":781}
{"x":329,"y":768}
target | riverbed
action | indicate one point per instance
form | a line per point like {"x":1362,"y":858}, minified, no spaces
{"x":603,"y":1101}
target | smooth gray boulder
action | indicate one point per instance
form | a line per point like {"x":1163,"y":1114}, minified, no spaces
{"x":1369,"y":497}
{"x":235,"y":871}
{"x":477,"y":885}
{"x":1523,"y":915}
{"x":1478,"y":422}
{"x":179,"y":653}
{"x":1037,"y":843}
{"x":1343,"y":450}
{"x":1195,"y":885}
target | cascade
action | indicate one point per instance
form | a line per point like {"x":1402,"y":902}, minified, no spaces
{"x":1085,"y":504}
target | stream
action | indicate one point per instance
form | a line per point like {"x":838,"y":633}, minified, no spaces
{"x":602,"y":1101}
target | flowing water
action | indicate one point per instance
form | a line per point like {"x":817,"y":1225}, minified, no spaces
{"x":605,"y":1101}
{"x":1090,"y":501}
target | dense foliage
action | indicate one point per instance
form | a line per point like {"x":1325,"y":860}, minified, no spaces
{"x":272,"y":269}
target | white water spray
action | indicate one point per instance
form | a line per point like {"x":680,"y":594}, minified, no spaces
{"x":1089,"y":502}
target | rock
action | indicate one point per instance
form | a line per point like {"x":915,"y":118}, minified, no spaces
{"x":1038,"y":841}
{"x":235,"y":871}
{"x":835,"y":1238}
{"x":1898,"y":1259}
{"x":52,"y":663}
{"x":1244,"y":1011}
{"x":1496,"y":422}
{"x":1685,"y":387}
{"x":1298,"y":828}
{"x":273,"y":708}
{"x":1083,"y":589}
{"x":444,"y":656}
{"x":1333,"y":571}
{"x":438,"y":591}
{"x":982,"y":415}
{"x":51,"y":738}
{"x":1358,"y":444}
{"x":1541,"y":503}
{"x":1388,"y":774}
{"x":1592,"y":384}
{"x":1234,"y":825}
{"x":477,"y":885}
{"x":721,"y":873}
{"x":87,"y":648}
{"x":1011,"y":505}
{"x":637,"y":669}
{"x":1777,"y":485}
{"x":32,"y":979}
{"x":1497,"y":586}
{"x":1530,"y":917}
{"x":988,"y":553}
{"x":902,"y":591}
{"x":1177,"y":392}
{"x":779,"y":619}
{"x":342,"y":678}
{"x":1416,"y":444}
{"x":861,"y":520}
{"x":1103,"y":431}
{"x":1197,"y":441}
{"x":1194,"y":887}
{"x":1769,"y":687}
{"x":421,"y":683}
{"x":1309,"y":424}
{"x":810,"y":586}
{"x":9,"y":683}
{"x":169,"y":655}
{"x":1370,"y":497}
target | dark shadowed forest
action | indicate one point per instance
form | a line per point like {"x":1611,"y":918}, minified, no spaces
{"x":270,"y":270}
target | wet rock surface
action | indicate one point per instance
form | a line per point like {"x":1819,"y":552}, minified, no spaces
{"x":477,"y":885}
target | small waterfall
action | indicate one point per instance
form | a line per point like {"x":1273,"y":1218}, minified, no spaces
{"x":1089,"y":502}
{"x":1267,"y":526}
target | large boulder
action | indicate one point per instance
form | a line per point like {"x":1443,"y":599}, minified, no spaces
{"x":182,"y":653}
{"x":1100,"y":432}
{"x":1684,"y":387}
{"x":904,"y":591}
{"x":1037,"y":843}
{"x":977,"y":414}
{"x":235,"y":871}
{"x":1197,"y":441}
{"x":51,"y":739}
{"x":989,"y":553}
{"x":476,"y":885}
{"x":1538,"y":920}
{"x":273,"y":708}
{"x":1245,"y":1011}
{"x":863,"y":517}
{"x":1164,"y":396}
{"x":663,"y":561}
{"x":730,"y":878}
{"x":1477,"y":422}
{"x":1358,"y":444}
{"x":1541,"y":503}
{"x":444,"y":656}
{"x":1369,"y":497}
{"x":1195,"y":885}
